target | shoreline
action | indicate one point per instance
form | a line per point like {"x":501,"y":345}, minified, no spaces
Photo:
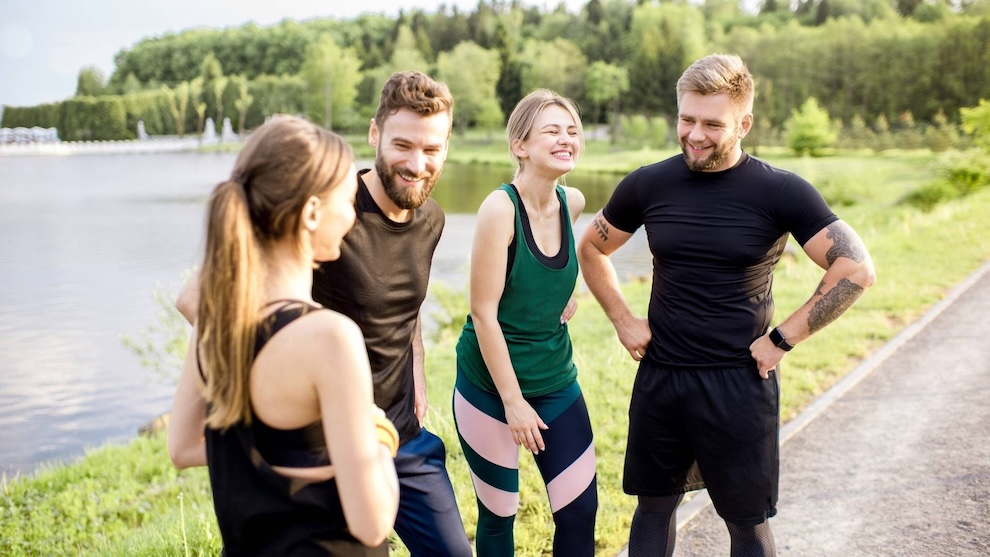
{"x":113,"y":147}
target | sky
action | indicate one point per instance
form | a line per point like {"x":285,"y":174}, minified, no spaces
{"x":44,"y":43}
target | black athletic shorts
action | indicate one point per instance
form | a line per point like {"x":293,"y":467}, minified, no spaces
{"x":727,"y":421}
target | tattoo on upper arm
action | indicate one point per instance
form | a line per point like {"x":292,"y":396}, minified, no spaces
{"x":819,"y":291}
{"x":844,"y":244}
{"x":833,"y":304}
{"x":601,"y":226}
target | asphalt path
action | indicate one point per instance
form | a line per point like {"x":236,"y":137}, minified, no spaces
{"x":892,"y":461}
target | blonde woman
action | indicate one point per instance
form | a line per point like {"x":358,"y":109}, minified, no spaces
{"x":275,"y":395}
{"x":516,"y":382}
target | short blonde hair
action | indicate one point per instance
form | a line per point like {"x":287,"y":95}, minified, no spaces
{"x":716,"y":74}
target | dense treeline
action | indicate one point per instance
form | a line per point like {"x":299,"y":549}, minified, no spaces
{"x":871,"y":64}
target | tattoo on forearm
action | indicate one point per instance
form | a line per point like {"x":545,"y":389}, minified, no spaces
{"x":844,"y":243}
{"x":833,"y":304}
{"x":601,"y":226}
{"x":819,"y":291}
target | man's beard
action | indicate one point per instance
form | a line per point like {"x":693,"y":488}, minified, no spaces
{"x":403,"y":197}
{"x":712,"y":161}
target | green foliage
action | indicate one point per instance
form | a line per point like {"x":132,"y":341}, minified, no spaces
{"x":93,"y":118}
{"x":976,"y":121}
{"x":42,"y":115}
{"x":558,"y":65}
{"x":809,"y":130}
{"x":92,"y":506}
{"x":91,"y":82}
{"x":161,"y":346}
{"x":242,"y":103}
{"x":178,"y":100}
{"x":958,"y":174}
{"x":284,"y":94}
{"x":471,"y":72}
{"x":331,"y":75}
{"x":604,"y":85}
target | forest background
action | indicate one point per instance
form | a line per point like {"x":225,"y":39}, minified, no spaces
{"x":882,"y":72}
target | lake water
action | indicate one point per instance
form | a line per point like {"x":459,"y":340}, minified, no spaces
{"x":83,"y":242}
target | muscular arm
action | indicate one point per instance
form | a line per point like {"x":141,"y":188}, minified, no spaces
{"x":599,"y":241}
{"x":848,"y":273}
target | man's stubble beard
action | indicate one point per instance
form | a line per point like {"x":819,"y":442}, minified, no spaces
{"x":714,"y":160}
{"x":404,"y":198}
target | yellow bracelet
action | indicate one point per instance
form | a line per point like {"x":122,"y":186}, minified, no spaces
{"x":387,"y":435}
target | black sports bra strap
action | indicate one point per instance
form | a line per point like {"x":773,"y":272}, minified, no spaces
{"x":271,"y":324}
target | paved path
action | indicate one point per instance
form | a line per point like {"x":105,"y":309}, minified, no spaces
{"x":895,"y":460}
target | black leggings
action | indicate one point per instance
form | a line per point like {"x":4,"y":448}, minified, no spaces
{"x":654,"y":529}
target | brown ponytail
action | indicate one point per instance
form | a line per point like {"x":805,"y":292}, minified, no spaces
{"x":284,"y":163}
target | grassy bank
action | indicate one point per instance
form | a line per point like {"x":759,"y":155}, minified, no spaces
{"x":128,"y":500}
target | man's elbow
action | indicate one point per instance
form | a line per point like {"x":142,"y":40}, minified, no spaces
{"x":866,"y":275}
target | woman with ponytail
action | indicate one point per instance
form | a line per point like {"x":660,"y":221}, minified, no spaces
{"x":275,"y":395}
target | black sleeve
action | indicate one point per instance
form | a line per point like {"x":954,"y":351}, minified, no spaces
{"x":802,"y":209}
{"x":624,"y":210}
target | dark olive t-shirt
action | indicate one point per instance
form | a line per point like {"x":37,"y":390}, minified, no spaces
{"x":380,"y":281}
{"x":715,"y":238}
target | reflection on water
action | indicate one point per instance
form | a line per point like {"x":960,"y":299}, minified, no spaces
{"x":83,"y":242}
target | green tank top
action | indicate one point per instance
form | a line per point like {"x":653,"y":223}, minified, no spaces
{"x":529,"y":314}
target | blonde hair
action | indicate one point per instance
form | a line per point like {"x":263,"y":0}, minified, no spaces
{"x":523,"y":116}
{"x":719,"y":73}
{"x":284,"y":163}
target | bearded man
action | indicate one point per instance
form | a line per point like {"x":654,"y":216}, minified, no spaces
{"x":380,"y":281}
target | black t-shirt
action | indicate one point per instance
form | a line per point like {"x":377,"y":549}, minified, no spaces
{"x":380,"y":281}
{"x":716,"y":238}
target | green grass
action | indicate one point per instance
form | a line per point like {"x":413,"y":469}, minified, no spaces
{"x":129,"y":501}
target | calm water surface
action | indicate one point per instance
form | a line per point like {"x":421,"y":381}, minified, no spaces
{"x":83,"y":242}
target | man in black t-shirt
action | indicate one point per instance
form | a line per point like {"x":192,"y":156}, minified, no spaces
{"x":707,"y":392}
{"x":380,"y":281}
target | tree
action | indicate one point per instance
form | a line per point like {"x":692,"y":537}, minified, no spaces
{"x":178,"y":100}
{"x":242,"y":104}
{"x":406,"y":54}
{"x":332,"y":75}
{"x":472,"y":73}
{"x":604,"y":85}
{"x":663,"y":40}
{"x":809,"y":130}
{"x":91,"y":82}
{"x":976,"y":121}
{"x":199,"y":105}
{"x":219,"y":86}
{"x":558,"y":65}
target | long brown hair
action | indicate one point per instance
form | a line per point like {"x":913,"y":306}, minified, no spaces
{"x":285,"y":162}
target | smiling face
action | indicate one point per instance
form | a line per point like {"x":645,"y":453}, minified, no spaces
{"x":710,"y":129}
{"x":410,"y":150}
{"x":552,"y":145}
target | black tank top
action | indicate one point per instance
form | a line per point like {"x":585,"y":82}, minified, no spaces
{"x":261,"y":512}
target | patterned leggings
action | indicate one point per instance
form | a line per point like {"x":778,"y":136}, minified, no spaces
{"x":567,"y":466}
